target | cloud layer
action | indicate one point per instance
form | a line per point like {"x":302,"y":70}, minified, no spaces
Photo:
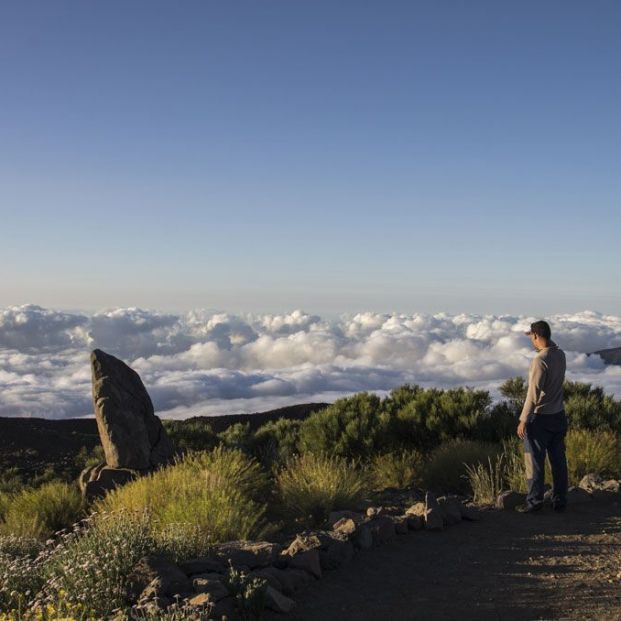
{"x":203,"y":363}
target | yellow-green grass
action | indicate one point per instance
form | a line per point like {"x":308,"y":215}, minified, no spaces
{"x":207,"y":497}
{"x":398,"y":469}
{"x":310,"y":486}
{"x":41,"y":512}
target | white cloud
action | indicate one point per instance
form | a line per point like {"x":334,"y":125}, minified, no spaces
{"x":209,"y":363}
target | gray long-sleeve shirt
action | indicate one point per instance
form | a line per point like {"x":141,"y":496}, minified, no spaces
{"x":545,"y":383}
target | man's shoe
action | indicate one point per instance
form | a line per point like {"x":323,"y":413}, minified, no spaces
{"x":559,"y":508}
{"x":529,"y":508}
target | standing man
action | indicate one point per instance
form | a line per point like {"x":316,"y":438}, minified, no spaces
{"x":543,"y":423}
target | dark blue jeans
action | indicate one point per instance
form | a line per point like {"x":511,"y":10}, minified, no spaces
{"x":545,"y":434}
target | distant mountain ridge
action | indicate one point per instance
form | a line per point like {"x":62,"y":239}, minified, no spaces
{"x":31,"y":444}
{"x":610,"y":356}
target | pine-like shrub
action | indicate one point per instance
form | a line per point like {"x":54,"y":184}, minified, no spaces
{"x":276,"y":441}
{"x":352,"y":428}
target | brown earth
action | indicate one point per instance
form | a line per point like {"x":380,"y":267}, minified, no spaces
{"x":505,"y":567}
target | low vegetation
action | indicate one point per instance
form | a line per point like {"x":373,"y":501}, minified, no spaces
{"x":207,"y":497}
{"x":310,"y":486}
{"x":242,"y":483}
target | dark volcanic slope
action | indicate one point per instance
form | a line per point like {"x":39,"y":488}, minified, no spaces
{"x":31,"y":444}
{"x":610,"y":356}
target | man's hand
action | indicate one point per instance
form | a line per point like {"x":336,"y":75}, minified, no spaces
{"x":521,"y":430}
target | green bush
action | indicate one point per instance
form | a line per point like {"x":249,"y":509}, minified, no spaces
{"x":433,"y":416}
{"x":276,"y":441}
{"x":310,"y":486}
{"x":399,"y":468}
{"x":222,"y":493}
{"x":587,"y":406}
{"x":351,"y":428}
{"x":446,"y":469}
{"x":190,"y":435}
{"x":515,"y":389}
{"x":43,"y":511}
{"x":10,"y":481}
{"x":238,"y":436}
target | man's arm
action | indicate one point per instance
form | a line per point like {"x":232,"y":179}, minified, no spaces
{"x":536,"y":378}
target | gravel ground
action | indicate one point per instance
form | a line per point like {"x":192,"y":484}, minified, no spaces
{"x":507,"y":566}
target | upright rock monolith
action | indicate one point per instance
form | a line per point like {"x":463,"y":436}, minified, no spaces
{"x":132,"y":435}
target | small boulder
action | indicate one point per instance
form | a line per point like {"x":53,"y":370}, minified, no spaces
{"x":451,"y":507}
{"x":434,"y":516}
{"x":415,"y":522}
{"x":309,"y":561}
{"x":276,"y":601}
{"x":97,"y":481}
{"x":401,"y":524}
{"x":346,"y":526}
{"x":417,"y":508}
{"x":214,"y":588}
{"x":161,"y":576}
{"x":251,"y":554}
{"x":509,"y":500}
{"x":363,"y":538}
{"x":203,"y":565}
{"x":382,"y":529}
{"x":271,"y":575}
{"x":577,"y":495}
{"x":336,"y":516}
{"x":590,"y":482}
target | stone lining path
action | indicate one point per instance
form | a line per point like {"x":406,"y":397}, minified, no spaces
{"x":506,"y":567}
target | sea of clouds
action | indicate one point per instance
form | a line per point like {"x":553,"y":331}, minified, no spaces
{"x":206,"y":363}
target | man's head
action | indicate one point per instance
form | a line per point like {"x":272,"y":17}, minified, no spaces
{"x":539,"y":334}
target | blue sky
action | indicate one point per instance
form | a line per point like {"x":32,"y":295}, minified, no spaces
{"x":334,"y":156}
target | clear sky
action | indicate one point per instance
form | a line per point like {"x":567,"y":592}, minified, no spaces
{"x":335,"y":156}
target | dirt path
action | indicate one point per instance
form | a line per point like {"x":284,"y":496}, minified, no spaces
{"x":506,"y":567}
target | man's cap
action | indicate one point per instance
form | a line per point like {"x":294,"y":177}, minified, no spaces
{"x":540,"y":328}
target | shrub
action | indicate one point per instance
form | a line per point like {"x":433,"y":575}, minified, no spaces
{"x":351,"y":428}
{"x":41,"y":512}
{"x":487,"y":480}
{"x":514,"y":467}
{"x":190,"y":435}
{"x":220,"y":493}
{"x":90,"y":565}
{"x":396,"y":469}
{"x":446,"y":470}
{"x":515,"y":389}
{"x":433,"y":416}
{"x":249,"y":593}
{"x":10,"y":481}
{"x":237,"y":436}
{"x":276,"y":441}
{"x":21,"y":570}
{"x":592,"y":451}
{"x":496,"y":425}
{"x":310,"y":486}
